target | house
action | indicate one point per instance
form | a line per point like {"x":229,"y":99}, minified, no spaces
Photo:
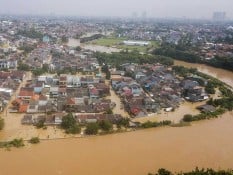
{"x":206,"y":108}
{"x":26,"y":93}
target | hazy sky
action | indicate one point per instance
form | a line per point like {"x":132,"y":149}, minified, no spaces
{"x":153,"y":8}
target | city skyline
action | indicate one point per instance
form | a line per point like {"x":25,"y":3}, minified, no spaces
{"x":112,"y":8}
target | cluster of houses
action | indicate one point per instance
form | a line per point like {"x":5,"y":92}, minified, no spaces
{"x":152,"y":87}
{"x":9,"y":82}
{"x":69,"y":93}
{"x":69,"y":58}
{"x":56,"y":118}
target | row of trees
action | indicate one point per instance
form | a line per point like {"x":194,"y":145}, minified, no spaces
{"x":93,"y":37}
{"x":191,"y":56}
{"x":197,"y":171}
{"x":31,"y":33}
{"x":1,"y":123}
{"x":203,"y":116}
{"x":117,"y":59}
{"x":150,"y":124}
{"x":70,"y":125}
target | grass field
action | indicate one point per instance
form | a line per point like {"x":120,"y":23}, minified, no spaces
{"x":117,"y":42}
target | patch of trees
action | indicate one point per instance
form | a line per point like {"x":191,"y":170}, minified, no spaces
{"x":197,"y":171}
{"x":117,"y":59}
{"x":34,"y":140}
{"x":92,"y":129}
{"x":40,"y":71}
{"x":191,"y":56}
{"x":23,"y":67}
{"x":64,"y":39}
{"x":90,"y":38}
{"x":105,"y":69}
{"x":1,"y":123}
{"x":17,"y":143}
{"x":183,"y":71}
{"x":31,"y":33}
{"x":203,"y":116}
{"x":172,"y":51}
{"x":70,"y":125}
{"x":226,"y":103}
{"x":27,"y":48}
{"x":150,"y":124}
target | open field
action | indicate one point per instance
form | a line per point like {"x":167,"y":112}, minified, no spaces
{"x":117,"y":42}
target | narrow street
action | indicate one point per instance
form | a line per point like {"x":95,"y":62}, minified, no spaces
{"x":119,"y":108}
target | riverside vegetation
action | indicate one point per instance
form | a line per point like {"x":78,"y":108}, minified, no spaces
{"x":197,"y":171}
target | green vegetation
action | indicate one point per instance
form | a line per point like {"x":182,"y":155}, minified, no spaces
{"x":203,"y":116}
{"x":117,"y":59}
{"x":1,"y":123}
{"x":92,"y":129}
{"x":226,"y":103}
{"x":27,"y":48}
{"x":123,"y":122}
{"x":23,"y":67}
{"x":117,"y":42}
{"x":183,"y":71}
{"x":188,"y":118}
{"x":40,"y":124}
{"x":105,"y":125}
{"x":188,"y":54}
{"x":64,"y":39}
{"x":70,"y":125}
{"x":90,"y":38}
{"x":17,"y":143}
{"x":150,"y":124}
{"x":105,"y":69}
{"x":40,"y":71}
{"x":197,"y":171}
{"x":31,"y":33}
{"x":34,"y":140}
{"x":108,"y":41}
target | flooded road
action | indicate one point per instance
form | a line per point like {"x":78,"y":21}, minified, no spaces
{"x":205,"y":144}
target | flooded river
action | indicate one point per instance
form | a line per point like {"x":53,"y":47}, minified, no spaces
{"x":204,"y":144}
{"x":221,"y":74}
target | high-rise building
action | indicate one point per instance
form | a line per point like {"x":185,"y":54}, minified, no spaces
{"x":219,"y":16}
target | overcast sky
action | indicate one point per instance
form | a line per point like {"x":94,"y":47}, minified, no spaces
{"x":153,"y":8}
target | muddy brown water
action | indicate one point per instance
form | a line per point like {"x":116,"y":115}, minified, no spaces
{"x":221,"y":74}
{"x":205,"y":144}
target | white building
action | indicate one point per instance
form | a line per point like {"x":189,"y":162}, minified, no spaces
{"x":136,"y":43}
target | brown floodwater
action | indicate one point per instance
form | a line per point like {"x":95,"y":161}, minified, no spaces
{"x":205,"y":144}
{"x":221,"y":74}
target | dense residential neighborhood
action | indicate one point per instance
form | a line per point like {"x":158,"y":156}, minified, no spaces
{"x":59,"y":70}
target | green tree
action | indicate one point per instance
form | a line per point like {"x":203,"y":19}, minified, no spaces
{"x":23,"y":67}
{"x":1,"y":123}
{"x":188,"y":118}
{"x":64,"y":39}
{"x":70,"y":125}
{"x":105,"y":125}
{"x":34,"y":140}
{"x":92,"y":129}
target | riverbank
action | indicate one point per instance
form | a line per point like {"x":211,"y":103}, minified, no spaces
{"x":205,"y":144}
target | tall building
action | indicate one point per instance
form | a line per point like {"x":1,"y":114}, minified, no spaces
{"x":219,"y":16}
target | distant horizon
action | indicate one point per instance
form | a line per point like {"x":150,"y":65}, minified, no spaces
{"x":189,"y":9}
{"x":106,"y":17}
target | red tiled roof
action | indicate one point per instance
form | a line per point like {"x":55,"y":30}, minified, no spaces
{"x":23,"y":108}
{"x":26,"y":93}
